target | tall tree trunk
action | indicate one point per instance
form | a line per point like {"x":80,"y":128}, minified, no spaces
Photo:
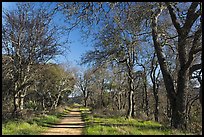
{"x":130,"y":97}
{"x":168,"y":110}
{"x":85,"y":102}
{"x":156,"y":112}
{"x":129,"y":114}
{"x":185,"y":58}
{"x":154,"y":78}
{"x":168,"y":81}
{"x":16,"y":99}
{"x":119,"y":101}
{"x":200,"y":95}
{"x":176,"y":98}
{"x":16,"y":102}
{"x":156,"y":98}
{"x":146,"y":98}
{"x":133,"y":106}
{"x":85,"y":96}
{"x":178,"y":108}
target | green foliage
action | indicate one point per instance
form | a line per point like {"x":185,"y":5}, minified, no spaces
{"x":102,"y":130}
{"x":124,"y":126}
{"x":45,"y":120}
{"x":34,"y":126}
{"x":31,"y":105}
{"x":21,"y":128}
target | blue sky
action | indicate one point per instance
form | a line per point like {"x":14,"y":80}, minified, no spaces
{"x":76,"y":47}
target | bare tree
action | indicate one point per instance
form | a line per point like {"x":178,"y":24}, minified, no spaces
{"x":175,"y":26}
{"x":184,"y":28}
{"x":28,"y":37}
{"x":84,"y":83}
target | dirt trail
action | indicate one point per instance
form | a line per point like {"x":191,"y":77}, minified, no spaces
{"x":71,"y":124}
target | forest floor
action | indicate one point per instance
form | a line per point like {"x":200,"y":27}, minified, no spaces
{"x":79,"y":120}
{"x":71,"y":124}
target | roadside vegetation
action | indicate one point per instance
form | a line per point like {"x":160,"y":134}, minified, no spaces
{"x":97,"y":124}
{"x":32,"y":126}
{"x":144,"y":64}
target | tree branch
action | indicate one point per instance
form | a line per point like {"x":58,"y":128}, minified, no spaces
{"x":194,"y":68}
{"x":174,"y":18}
{"x":168,"y":80}
{"x":191,"y":17}
{"x":194,"y":48}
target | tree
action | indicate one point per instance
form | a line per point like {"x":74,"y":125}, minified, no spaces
{"x":64,"y":83}
{"x":115,"y":47}
{"x":174,"y":26}
{"x":184,"y":28}
{"x":196,"y":73}
{"x":28,"y":38}
{"x":83,"y":84}
{"x":155,"y":81}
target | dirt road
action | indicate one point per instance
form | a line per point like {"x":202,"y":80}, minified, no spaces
{"x":71,"y":124}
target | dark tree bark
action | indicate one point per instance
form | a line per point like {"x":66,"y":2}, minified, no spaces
{"x":129,"y":64}
{"x":177,"y":96}
{"x":155,"y":82}
{"x":144,"y":77}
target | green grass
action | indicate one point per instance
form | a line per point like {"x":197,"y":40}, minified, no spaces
{"x":96,"y":125}
{"x":45,"y":120}
{"x":21,"y":128}
{"x":33,"y":126}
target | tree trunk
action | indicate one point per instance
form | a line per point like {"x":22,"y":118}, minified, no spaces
{"x":156,"y":98}
{"x":119,"y":100}
{"x":146,"y":98}
{"x":85,"y":93}
{"x":133,"y":106}
{"x":43,"y":103}
{"x":21,"y":101}
{"x":154,"y":78}
{"x":131,"y":90}
{"x":130,"y":104}
{"x":85,"y":101}
{"x":200,"y":95}
{"x":102,"y":98}
{"x":16,"y":102}
{"x":178,"y":108}
{"x":143,"y":100}
{"x":156,"y":113}
{"x":178,"y":117}
{"x":54,"y":105}
{"x":17,"y":107}
{"x":176,"y":99}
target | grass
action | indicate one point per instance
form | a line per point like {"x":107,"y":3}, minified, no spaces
{"x":33,"y":126}
{"x":45,"y":121}
{"x":21,"y":128}
{"x":96,"y":125}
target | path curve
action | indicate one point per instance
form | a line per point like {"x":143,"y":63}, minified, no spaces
{"x":71,"y":124}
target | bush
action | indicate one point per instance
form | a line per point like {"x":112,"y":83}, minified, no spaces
{"x":31,"y":105}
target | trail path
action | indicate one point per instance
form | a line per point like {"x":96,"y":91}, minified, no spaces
{"x":71,"y":124}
